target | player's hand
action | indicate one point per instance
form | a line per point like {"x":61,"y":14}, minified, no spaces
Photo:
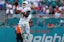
{"x":22,"y":12}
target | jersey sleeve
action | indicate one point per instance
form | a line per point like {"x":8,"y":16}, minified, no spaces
{"x":29,"y":17}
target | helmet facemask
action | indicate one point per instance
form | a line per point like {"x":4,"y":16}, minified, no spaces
{"x":25,"y":4}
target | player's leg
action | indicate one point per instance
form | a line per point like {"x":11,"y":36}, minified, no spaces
{"x":22,"y":31}
{"x":18,"y":37}
{"x":7,"y":13}
{"x":11,"y":11}
{"x":21,"y":39}
{"x":27,"y":27}
{"x":28,"y":32}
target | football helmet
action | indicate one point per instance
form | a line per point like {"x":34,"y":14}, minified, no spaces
{"x":25,"y":4}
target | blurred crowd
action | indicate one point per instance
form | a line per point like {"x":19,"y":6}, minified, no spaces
{"x":37,"y":7}
{"x":2,"y":4}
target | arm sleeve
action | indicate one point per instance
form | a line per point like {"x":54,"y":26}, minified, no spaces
{"x":29,"y":17}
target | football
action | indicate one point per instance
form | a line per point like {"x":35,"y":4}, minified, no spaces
{"x":18,"y":11}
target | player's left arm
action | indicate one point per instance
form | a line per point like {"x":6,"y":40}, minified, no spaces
{"x":29,"y":17}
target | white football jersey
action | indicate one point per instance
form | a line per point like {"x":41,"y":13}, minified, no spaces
{"x":25,"y":19}
{"x":9,"y":6}
{"x":25,"y":9}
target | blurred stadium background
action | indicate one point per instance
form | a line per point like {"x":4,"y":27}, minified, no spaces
{"x":7,"y":31}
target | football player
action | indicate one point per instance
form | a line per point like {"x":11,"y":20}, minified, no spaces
{"x":9,"y":8}
{"x":24,"y":21}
